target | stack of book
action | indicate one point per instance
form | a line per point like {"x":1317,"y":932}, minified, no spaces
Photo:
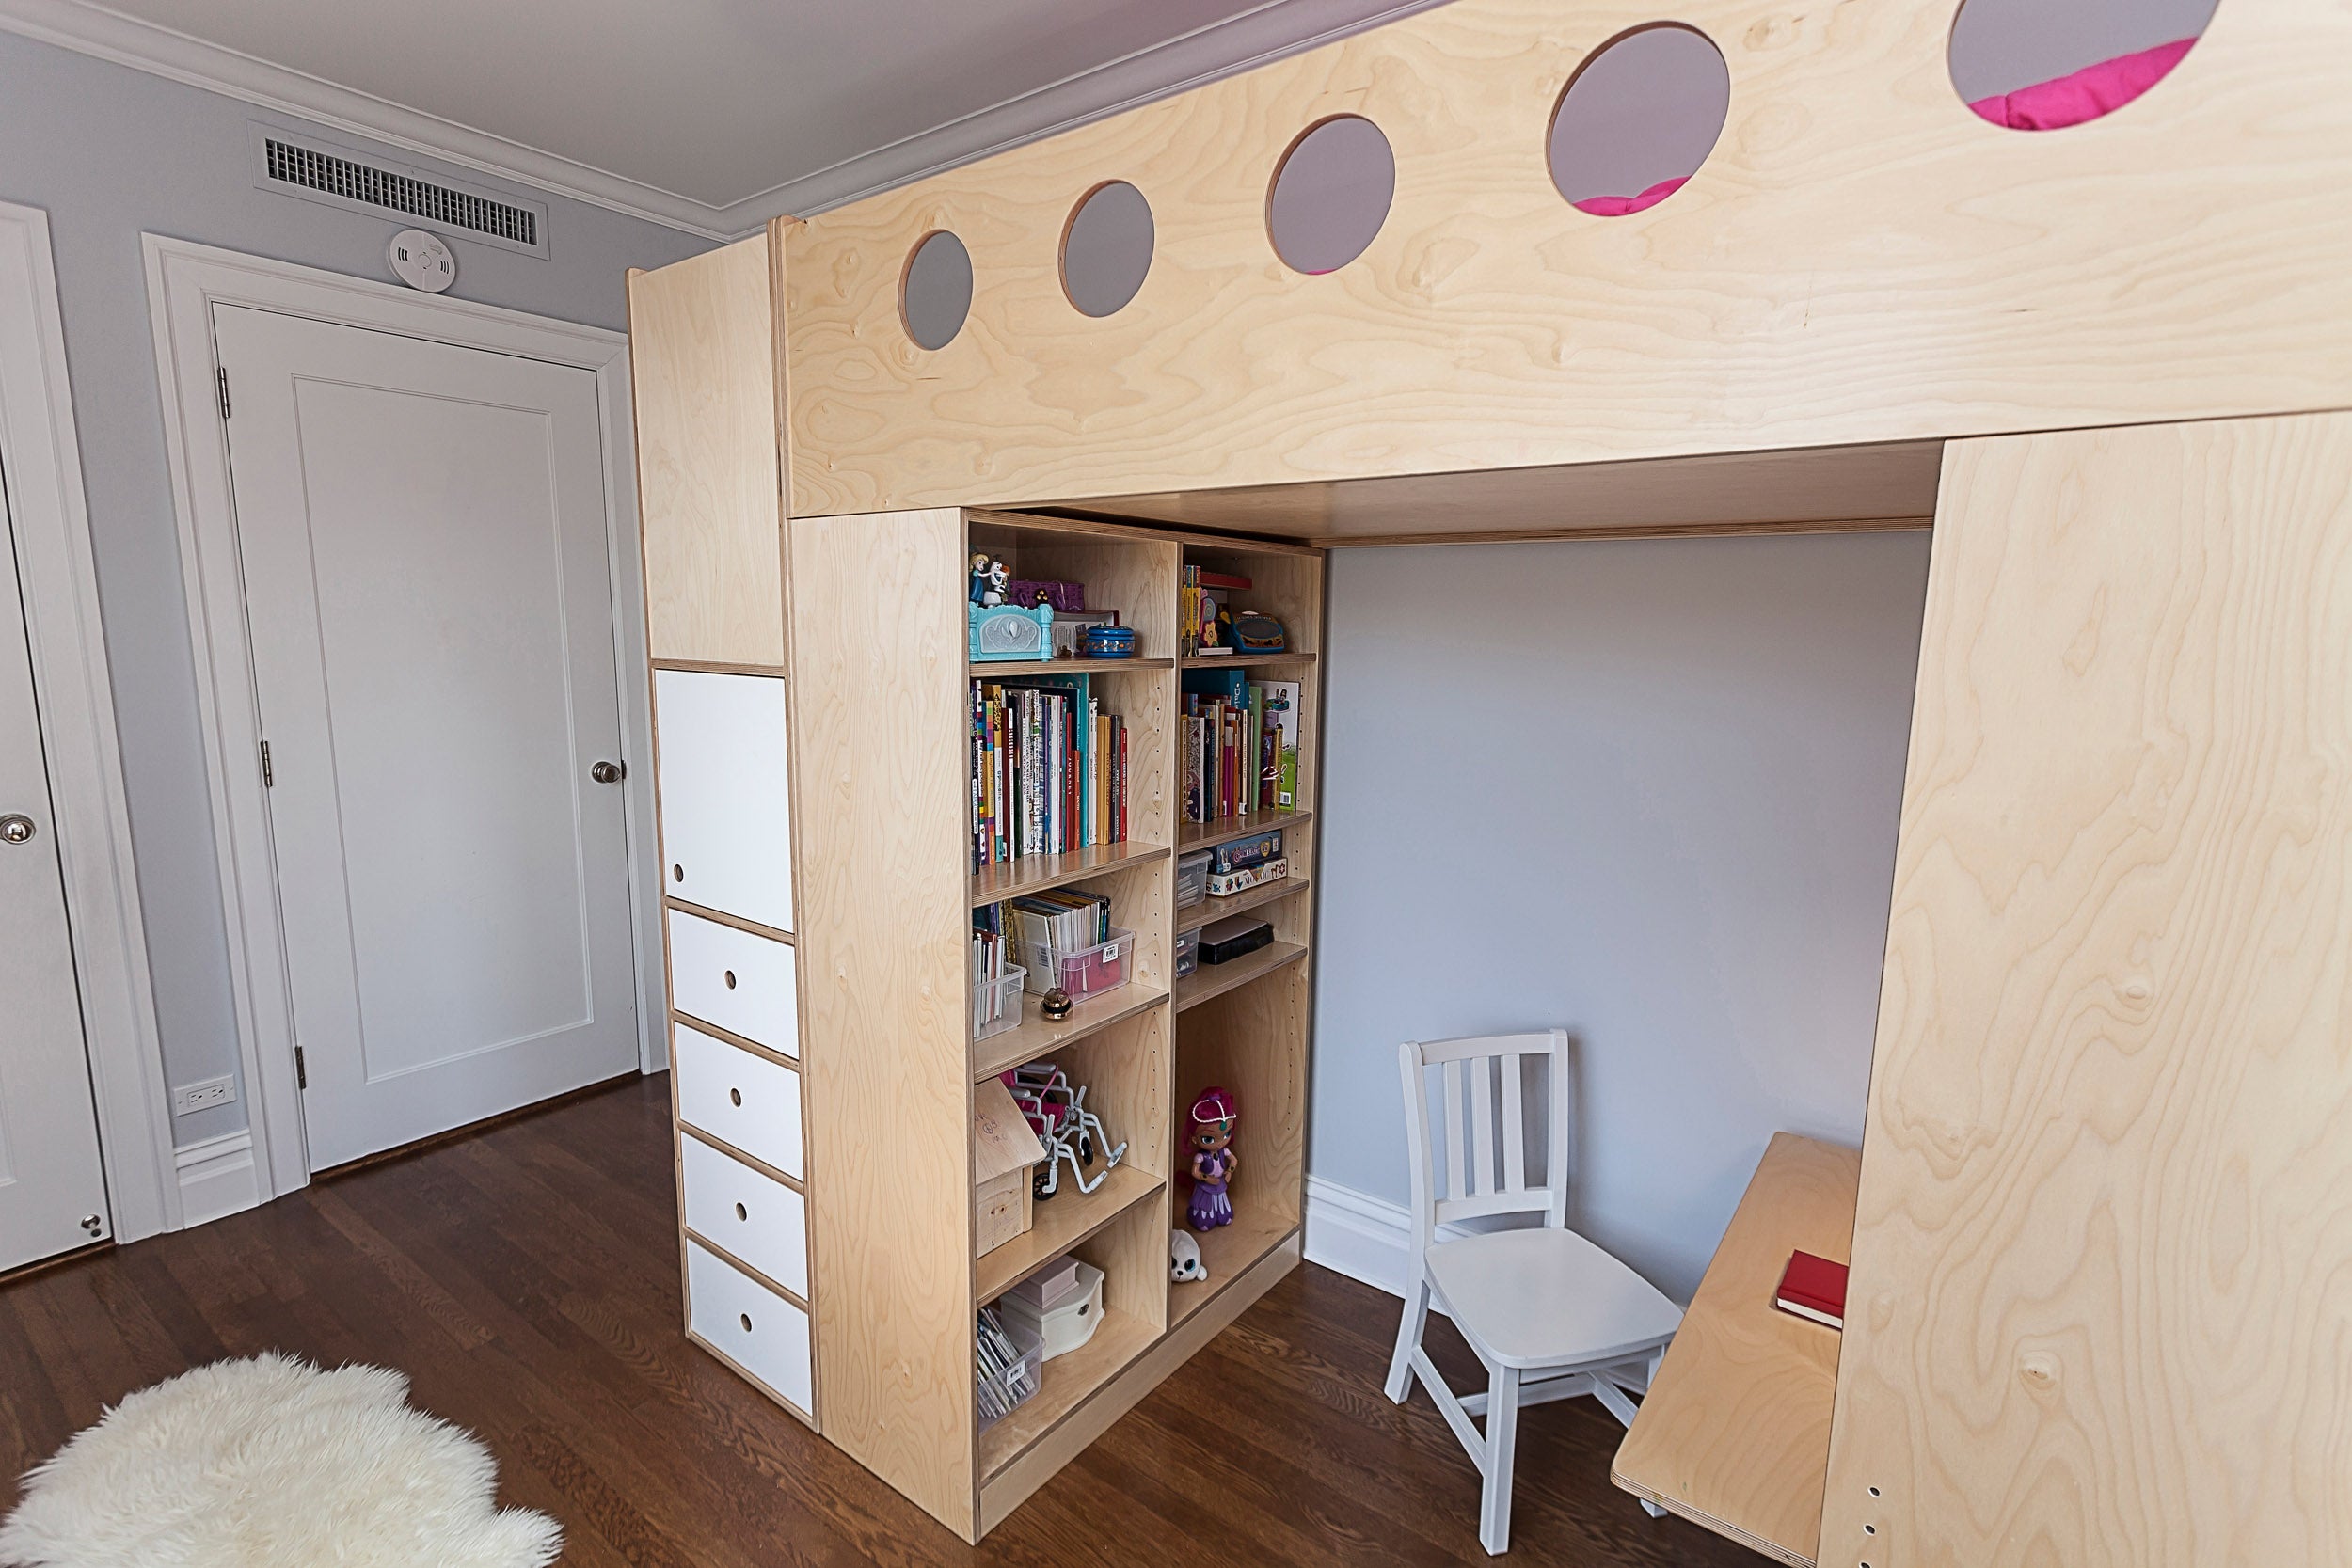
{"x":1041,"y":928}
{"x":1240,"y":744}
{"x":1049,"y":769}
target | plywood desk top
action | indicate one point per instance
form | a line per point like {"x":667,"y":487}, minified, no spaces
{"x":1734,"y":1433}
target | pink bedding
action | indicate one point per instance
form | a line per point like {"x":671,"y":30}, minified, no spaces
{"x":2086,"y":94}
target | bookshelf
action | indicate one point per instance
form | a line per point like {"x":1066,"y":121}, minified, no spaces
{"x":887,"y":896}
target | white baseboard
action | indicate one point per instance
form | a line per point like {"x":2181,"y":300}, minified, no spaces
{"x":216,"y":1178}
{"x":1366,"y":1237}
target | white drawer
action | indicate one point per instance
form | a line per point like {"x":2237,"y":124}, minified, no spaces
{"x":734,"y":979}
{"x":765,"y":1334}
{"x":738,"y":1099}
{"x":726,"y":826}
{"x":757,"y":1220}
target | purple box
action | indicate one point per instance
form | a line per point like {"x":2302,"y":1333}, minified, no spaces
{"x":1068,"y":597}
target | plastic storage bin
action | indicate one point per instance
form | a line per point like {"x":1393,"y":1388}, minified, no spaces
{"x":1192,"y":878}
{"x":1188,"y":954}
{"x":996,"y":1004}
{"x":1001,"y":1393}
{"x":1089,"y":970}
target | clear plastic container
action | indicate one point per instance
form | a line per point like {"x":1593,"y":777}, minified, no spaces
{"x":1090,"y":971}
{"x":1192,"y":878}
{"x":996,"y":1004}
{"x":1188,"y":954}
{"x":1003,"y":1392}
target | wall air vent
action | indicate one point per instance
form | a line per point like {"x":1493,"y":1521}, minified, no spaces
{"x":296,"y":166}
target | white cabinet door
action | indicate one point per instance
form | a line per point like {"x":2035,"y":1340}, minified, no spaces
{"x":739,"y":980}
{"x":764,"y":1333}
{"x":743,"y":1100}
{"x":762,"y":1223}
{"x":726,"y":830}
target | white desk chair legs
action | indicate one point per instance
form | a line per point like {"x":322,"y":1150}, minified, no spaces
{"x":1549,"y":1315}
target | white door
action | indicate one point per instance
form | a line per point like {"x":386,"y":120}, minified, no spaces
{"x":52,"y":1193}
{"x":421,"y":532}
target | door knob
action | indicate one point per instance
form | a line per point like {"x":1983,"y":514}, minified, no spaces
{"x":609,"y":772}
{"x":16,"y":827}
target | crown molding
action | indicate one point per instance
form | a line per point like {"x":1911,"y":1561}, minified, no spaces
{"x":1268,"y":32}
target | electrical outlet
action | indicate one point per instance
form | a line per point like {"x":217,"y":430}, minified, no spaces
{"x":189,"y":1097}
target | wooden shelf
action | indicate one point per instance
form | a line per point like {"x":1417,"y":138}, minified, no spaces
{"x":1035,"y":1035}
{"x":1734,"y":1432}
{"x":1229,"y":1251}
{"x":1062,"y":1222}
{"x":1068,"y":1380}
{"x":1215,"y":661}
{"x":982,"y":669}
{"x":1236,"y":903}
{"x":1036,"y":872}
{"x":1216,"y":979}
{"x":1203,"y":835}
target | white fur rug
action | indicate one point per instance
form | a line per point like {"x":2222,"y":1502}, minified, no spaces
{"x":271,"y":1464}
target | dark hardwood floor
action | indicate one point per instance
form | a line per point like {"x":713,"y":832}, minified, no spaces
{"x":526,"y":1280}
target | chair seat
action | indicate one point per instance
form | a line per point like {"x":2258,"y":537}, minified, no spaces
{"x":1547,"y":1298}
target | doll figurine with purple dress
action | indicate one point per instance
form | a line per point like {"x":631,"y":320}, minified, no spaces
{"x":1212,"y":1158}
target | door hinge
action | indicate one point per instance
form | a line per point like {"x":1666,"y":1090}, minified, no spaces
{"x":269,"y":778}
{"x":302,"y":1072}
{"x":220,"y":375}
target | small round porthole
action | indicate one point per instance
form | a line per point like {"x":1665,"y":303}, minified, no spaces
{"x":935,"y":294}
{"x":2044,"y":65}
{"x":1330,"y":194}
{"x":1638,"y":118}
{"x":1107,"y":249}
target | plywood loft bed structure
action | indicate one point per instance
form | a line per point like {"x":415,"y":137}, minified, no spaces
{"x":2102,"y":1225}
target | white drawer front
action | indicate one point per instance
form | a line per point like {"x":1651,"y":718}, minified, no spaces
{"x":767,"y":1334}
{"x":733,"y":979}
{"x":738,"y":1099}
{"x":760,"y":1221}
{"x":726,"y":830}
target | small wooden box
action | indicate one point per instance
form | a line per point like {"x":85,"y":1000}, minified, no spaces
{"x":1001,"y":1209}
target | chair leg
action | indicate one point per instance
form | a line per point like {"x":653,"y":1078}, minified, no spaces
{"x":1503,"y":1430}
{"x":1408,"y":1338}
{"x":1656,"y":1360}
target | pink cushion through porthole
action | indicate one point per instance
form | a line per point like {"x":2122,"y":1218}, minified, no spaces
{"x":2085,"y":94}
{"x":1618,"y":206}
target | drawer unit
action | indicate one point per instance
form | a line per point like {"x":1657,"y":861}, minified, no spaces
{"x":726,"y":830}
{"x":736,"y":979}
{"x":760,"y":1331}
{"x":756,"y":1219}
{"x":744,"y":1101}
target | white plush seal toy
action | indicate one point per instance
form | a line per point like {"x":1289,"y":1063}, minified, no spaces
{"x":1183,"y":1257}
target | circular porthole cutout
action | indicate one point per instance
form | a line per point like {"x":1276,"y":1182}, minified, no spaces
{"x":1107,"y":248}
{"x":936,"y":293}
{"x":1638,"y":118}
{"x":1330,"y":194}
{"x":2044,"y":65}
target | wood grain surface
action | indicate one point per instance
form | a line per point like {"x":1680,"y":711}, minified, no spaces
{"x":1861,"y":260}
{"x":2102,"y":1295}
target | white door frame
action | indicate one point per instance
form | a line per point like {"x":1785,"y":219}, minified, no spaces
{"x":43,"y":457}
{"x":184,"y":282}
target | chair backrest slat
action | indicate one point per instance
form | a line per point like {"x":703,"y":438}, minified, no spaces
{"x":1472,"y":1183}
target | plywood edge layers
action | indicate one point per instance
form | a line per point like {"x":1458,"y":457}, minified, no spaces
{"x":880,"y":842}
{"x":1860,"y":259}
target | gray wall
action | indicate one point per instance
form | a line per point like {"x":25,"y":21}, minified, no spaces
{"x":111,"y":153}
{"x":1647,"y":791}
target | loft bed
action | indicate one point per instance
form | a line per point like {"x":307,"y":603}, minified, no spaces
{"x":2100,"y":1212}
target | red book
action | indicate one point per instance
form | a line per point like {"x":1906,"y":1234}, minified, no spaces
{"x":1813,"y":1287}
{"x":1226,"y":580}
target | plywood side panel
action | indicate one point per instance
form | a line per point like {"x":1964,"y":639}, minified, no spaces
{"x":878,"y":738}
{"x":709,"y":488}
{"x":2101,"y":1291}
{"x":1861,"y":260}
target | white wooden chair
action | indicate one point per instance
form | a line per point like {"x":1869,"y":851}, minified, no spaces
{"x":1551,"y":1315}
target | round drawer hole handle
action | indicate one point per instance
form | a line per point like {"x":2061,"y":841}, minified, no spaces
{"x":745,"y":1319}
{"x":730,"y":974}
{"x":735,"y":1097}
{"x":741,"y":1213}
{"x":677,"y":873}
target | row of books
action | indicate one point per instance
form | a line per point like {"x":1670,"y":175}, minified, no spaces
{"x":1049,"y":769}
{"x":1240,"y":740}
{"x":1200,"y":584}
